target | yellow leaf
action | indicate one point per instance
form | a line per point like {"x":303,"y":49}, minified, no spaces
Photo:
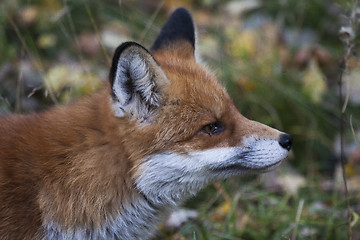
{"x":47,"y":40}
{"x":64,"y":76}
{"x":355,"y":218}
{"x":51,"y":5}
{"x":245,"y":84}
{"x":244,"y":44}
{"x":350,"y":169}
{"x":314,"y":84}
{"x":221,"y":211}
{"x":55,"y":79}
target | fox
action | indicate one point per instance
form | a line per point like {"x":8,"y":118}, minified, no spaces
{"x":112,"y":165}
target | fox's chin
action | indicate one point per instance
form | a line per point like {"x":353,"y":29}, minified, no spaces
{"x":239,"y":169}
{"x":270,"y":167}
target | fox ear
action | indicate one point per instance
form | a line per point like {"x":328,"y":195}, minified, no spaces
{"x":137,"y":82}
{"x":178,"y":29}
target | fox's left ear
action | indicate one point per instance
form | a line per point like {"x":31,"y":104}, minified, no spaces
{"x":137,"y":82}
{"x":177,"y":35}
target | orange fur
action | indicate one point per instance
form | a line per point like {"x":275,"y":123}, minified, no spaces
{"x":77,"y":165}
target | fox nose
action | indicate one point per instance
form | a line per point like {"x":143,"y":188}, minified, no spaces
{"x":286,"y":141}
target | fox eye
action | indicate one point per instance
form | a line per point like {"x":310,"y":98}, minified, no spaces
{"x":213,"y":128}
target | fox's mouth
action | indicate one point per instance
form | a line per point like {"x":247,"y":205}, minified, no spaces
{"x":238,"y":167}
{"x":256,"y":157}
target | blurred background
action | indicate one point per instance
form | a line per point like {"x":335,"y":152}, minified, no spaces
{"x":281,"y":62}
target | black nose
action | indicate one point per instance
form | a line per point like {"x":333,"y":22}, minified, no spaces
{"x":286,"y":141}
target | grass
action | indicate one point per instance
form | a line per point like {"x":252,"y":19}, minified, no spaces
{"x":263,"y":78}
{"x":256,"y":213}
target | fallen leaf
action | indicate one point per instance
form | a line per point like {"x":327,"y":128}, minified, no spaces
{"x":243,"y":44}
{"x":179,"y":217}
{"x":29,"y":15}
{"x":355,"y":218}
{"x":221,"y":212}
{"x":314,"y":84}
{"x":63,"y":76}
{"x":236,"y":8}
{"x":47,"y":41}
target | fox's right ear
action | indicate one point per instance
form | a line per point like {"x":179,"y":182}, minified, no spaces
{"x":137,"y":82}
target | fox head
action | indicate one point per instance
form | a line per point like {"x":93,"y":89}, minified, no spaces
{"x":184,"y":131}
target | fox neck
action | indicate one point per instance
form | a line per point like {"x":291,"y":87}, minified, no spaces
{"x":166,"y":181}
{"x":136,"y":220}
{"x":98,"y":199}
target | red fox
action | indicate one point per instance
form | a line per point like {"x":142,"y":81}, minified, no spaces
{"x":112,"y":165}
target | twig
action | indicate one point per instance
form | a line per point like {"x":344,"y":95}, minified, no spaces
{"x":23,"y":43}
{"x":39,"y":66}
{"x":108,"y":59}
{"x":151,"y":21}
{"x":221,"y":190}
{"x":297,"y":218}
{"x":342,"y":157}
{"x":34,"y":90}
{"x":353,"y":132}
{"x":72,"y":36}
{"x":347,"y":36}
{"x":18,"y":92}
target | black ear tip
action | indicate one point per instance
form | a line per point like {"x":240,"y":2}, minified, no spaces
{"x":183,"y":16}
{"x":180,"y":26}
{"x":182,"y":11}
{"x":116,"y":57}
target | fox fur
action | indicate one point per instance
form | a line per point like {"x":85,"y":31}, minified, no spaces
{"x":113,"y":164}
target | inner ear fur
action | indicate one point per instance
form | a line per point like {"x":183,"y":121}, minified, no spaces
{"x":137,"y":81}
